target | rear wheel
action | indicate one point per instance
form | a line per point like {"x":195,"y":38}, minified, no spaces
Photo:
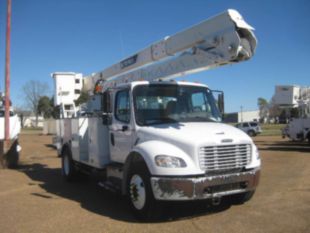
{"x":140,"y":195}
{"x":68,"y":170}
{"x":13,"y":155}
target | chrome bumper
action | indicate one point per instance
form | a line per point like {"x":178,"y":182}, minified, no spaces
{"x":177,"y":189}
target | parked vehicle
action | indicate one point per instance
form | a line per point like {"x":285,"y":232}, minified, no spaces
{"x":298,"y":129}
{"x":12,"y":155}
{"x":298,"y":98}
{"x":154,"y":139}
{"x":251,"y":128}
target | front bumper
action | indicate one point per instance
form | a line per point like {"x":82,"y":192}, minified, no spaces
{"x":195,"y":188}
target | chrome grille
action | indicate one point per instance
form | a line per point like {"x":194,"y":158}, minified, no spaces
{"x":227,"y":157}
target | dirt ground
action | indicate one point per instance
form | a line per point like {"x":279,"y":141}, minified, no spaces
{"x":34,"y":198}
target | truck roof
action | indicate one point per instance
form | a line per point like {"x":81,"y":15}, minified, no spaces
{"x":169,"y":82}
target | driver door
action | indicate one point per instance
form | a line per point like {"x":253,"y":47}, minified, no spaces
{"x":121,"y":129}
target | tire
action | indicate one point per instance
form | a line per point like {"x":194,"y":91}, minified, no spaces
{"x":251,"y":133}
{"x":13,"y":155}
{"x":241,"y":198}
{"x":140,"y":195}
{"x":68,"y":170}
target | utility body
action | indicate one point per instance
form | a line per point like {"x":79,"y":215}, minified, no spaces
{"x":156,"y":139}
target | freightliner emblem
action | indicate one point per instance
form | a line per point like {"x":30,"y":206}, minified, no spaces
{"x":227,"y":140}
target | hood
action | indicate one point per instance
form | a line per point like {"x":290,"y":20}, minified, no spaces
{"x":194,"y":133}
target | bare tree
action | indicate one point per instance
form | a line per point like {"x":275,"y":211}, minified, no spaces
{"x":33,"y":90}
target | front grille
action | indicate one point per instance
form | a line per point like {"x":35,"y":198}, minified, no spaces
{"x":221,"y":158}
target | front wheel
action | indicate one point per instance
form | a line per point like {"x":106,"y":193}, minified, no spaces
{"x":141,"y":199}
{"x":251,"y":133}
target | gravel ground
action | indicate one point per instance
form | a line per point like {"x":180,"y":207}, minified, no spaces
{"x":34,"y":197}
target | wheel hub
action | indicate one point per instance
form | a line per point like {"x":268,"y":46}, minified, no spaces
{"x":137,"y":192}
{"x":66,"y":165}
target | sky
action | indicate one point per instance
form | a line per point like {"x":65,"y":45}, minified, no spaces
{"x":89,"y":35}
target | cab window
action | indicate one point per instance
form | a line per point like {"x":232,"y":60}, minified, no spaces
{"x":122,"y":106}
{"x":245,"y":125}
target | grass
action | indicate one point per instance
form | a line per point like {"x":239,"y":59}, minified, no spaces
{"x":272,"y":129}
{"x":31,"y":130}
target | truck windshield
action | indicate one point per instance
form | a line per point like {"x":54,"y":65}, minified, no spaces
{"x":167,"y":103}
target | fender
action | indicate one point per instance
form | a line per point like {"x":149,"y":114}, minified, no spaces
{"x":148,"y":150}
{"x":255,"y":159}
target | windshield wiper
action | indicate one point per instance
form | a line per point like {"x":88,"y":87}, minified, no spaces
{"x":198,"y":119}
{"x":162,"y":120}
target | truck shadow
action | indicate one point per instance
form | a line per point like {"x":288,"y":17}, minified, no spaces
{"x":102,"y":202}
{"x":285,"y":146}
{"x":51,"y":146}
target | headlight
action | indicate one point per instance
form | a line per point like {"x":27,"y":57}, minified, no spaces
{"x":257,"y":154}
{"x":169,"y":161}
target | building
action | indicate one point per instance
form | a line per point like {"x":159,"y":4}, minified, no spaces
{"x":293,"y":96}
{"x":236,"y":117}
{"x":31,"y":121}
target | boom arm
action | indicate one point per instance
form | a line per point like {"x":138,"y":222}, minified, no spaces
{"x":223,"y":39}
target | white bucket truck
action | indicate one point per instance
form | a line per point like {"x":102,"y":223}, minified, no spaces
{"x":10,"y":149}
{"x":155,"y":139}
{"x":294,"y":96}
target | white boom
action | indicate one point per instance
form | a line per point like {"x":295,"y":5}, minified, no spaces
{"x":223,"y":39}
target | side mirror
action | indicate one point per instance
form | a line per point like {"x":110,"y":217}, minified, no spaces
{"x":106,"y":108}
{"x":106,"y":119}
{"x":106,"y":102}
{"x":220,"y":101}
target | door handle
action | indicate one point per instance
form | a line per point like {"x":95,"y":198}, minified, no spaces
{"x":124,"y":128}
{"x":112,"y":139}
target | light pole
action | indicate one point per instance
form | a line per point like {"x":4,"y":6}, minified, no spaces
{"x":241,"y":113}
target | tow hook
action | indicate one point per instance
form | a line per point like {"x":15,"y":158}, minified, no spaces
{"x":216,"y":201}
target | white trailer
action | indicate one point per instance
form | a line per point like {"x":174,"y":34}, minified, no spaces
{"x":155,"y":139}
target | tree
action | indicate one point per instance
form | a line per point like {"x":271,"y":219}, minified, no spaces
{"x":263,"y":107}
{"x":274,"y":111}
{"x":83,"y":98}
{"x":45,"y":107}
{"x":294,"y":113}
{"x":33,"y":90}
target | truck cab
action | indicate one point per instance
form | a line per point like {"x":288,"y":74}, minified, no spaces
{"x":164,"y":141}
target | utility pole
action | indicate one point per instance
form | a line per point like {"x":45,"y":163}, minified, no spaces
{"x":6,"y":152}
{"x":7,"y":72}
